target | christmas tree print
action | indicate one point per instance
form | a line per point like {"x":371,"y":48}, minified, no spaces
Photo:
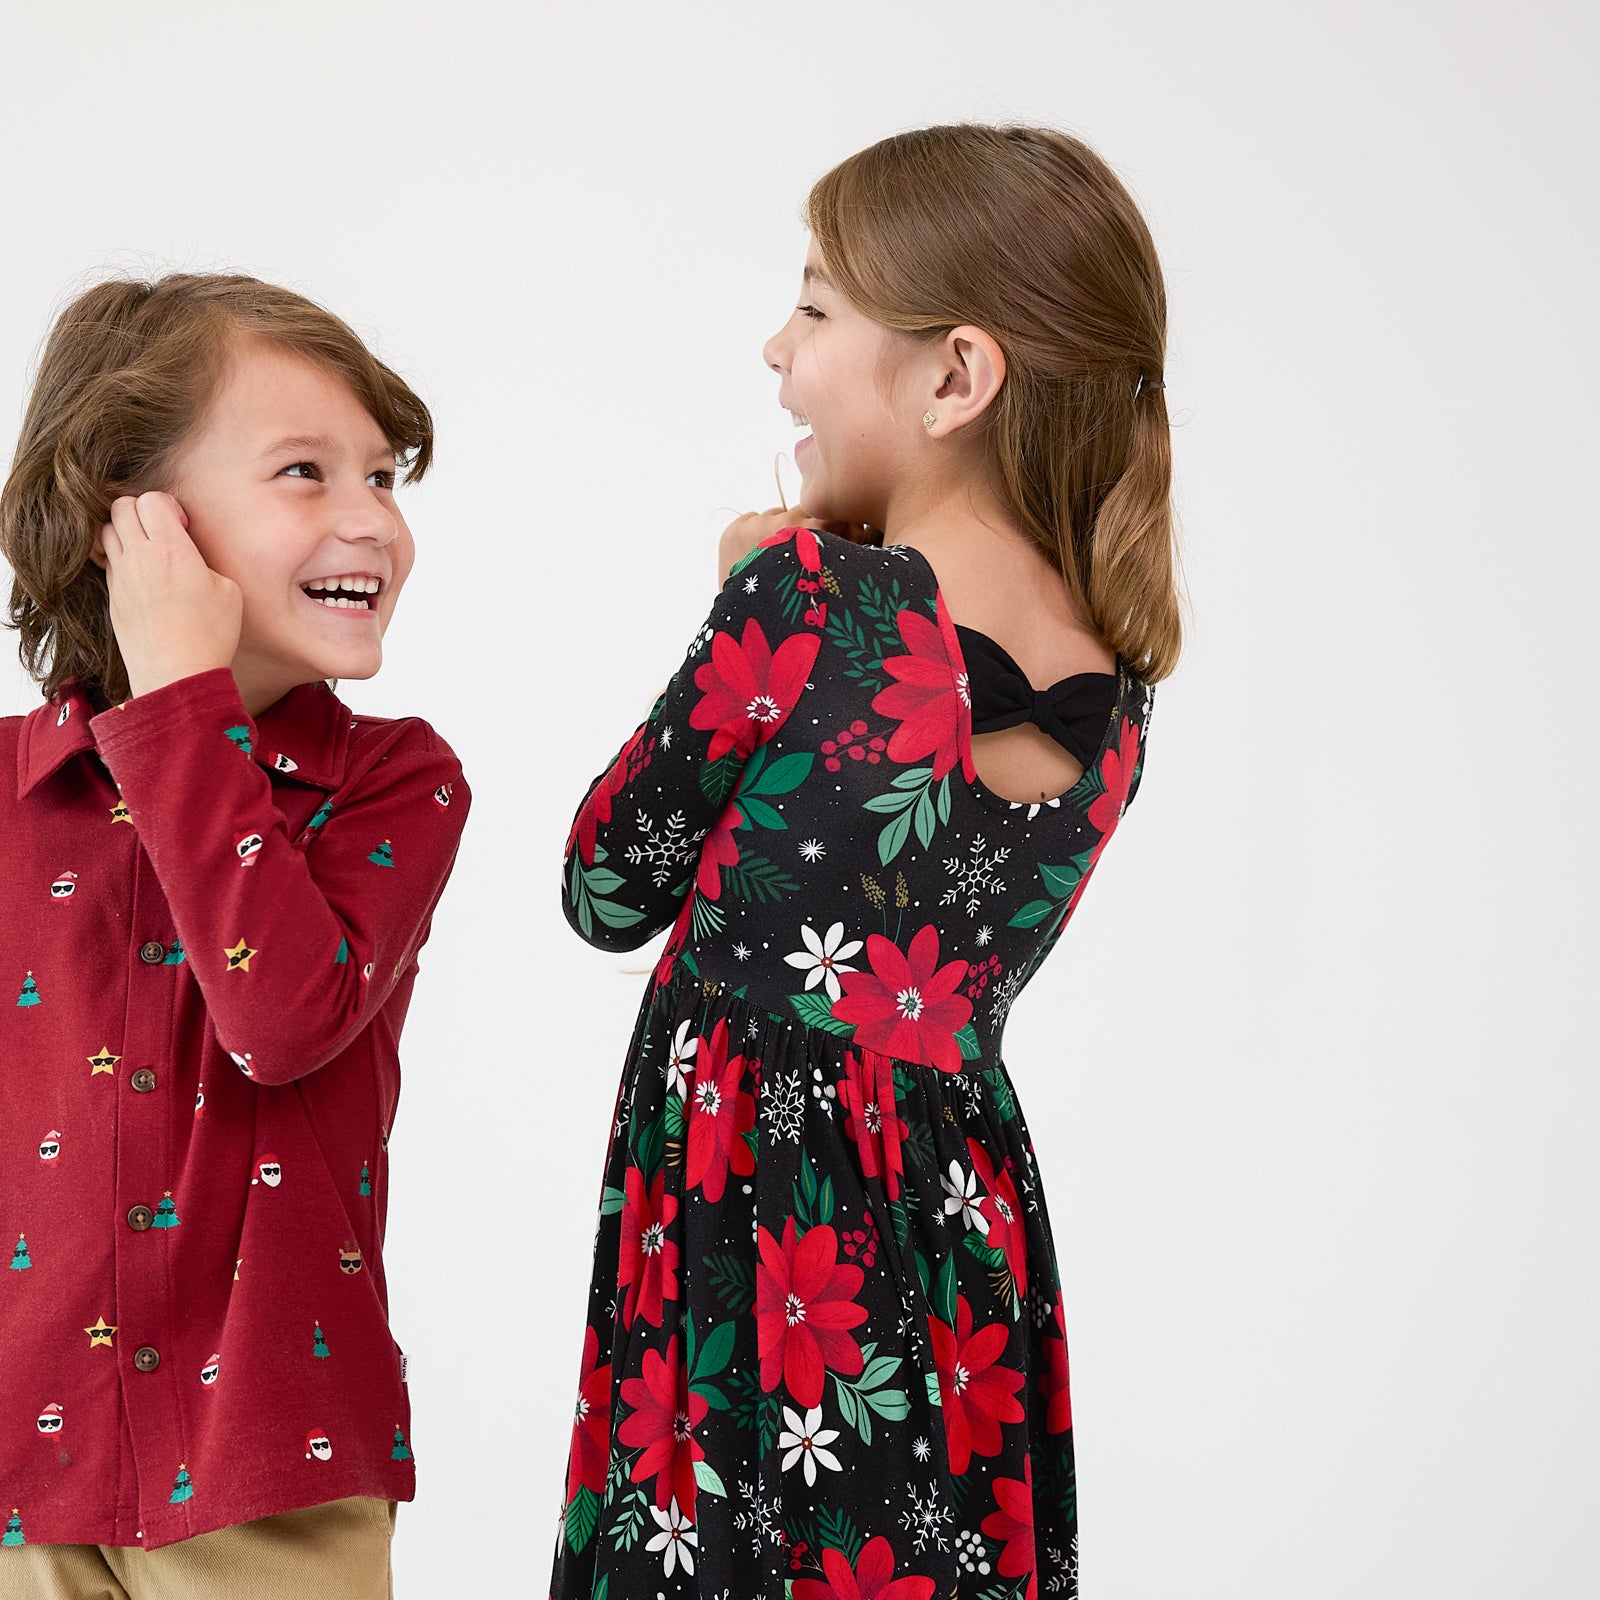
{"x":30,"y":992}
{"x":319,"y":1345}
{"x":324,"y":811}
{"x":20,"y":1260}
{"x":182,"y":1487}
{"x":344,"y":952}
{"x":13,"y":1533}
{"x":366,"y":1179}
{"x":166,"y":1213}
{"x":175,"y":954}
{"x":401,"y":1451}
{"x":240,"y":736}
{"x":383,"y":856}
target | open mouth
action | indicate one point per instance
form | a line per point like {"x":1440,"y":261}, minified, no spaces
{"x":343,"y":594}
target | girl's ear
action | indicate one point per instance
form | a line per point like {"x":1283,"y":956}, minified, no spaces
{"x":97,"y":553}
{"x":975,"y":368}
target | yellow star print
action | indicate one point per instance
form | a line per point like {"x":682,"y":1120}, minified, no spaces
{"x":239,"y":957}
{"x":102,"y":1061}
{"x":119,"y":812}
{"x":101,"y":1333}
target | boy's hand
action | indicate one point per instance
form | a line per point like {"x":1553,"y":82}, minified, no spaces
{"x":172,"y":615}
{"x":744,"y":533}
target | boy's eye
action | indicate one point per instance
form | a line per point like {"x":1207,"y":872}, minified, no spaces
{"x":810,"y":311}
{"x":294,"y":467}
{"x":385,"y":477}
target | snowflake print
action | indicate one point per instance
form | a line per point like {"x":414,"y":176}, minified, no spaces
{"x":983,"y":936}
{"x":783,"y":1104}
{"x":1005,"y":990}
{"x":921,"y":1449}
{"x":758,"y":1517}
{"x":1064,"y":1569}
{"x":665,"y":736}
{"x":751,"y":582}
{"x":665,"y":852}
{"x":812,"y":849}
{"x":742,"y":951}
{"x":975,"y":876}
{"x":926,"y":1519}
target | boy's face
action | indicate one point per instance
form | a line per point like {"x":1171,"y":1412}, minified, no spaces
{"x":845,"y":376}
{"x":289,"y":482}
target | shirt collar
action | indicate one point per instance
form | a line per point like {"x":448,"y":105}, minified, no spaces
{"x":304,"y":735}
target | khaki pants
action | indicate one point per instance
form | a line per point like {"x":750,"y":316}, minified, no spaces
{"x":338,"y":1551}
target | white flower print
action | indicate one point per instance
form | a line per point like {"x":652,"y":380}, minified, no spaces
{"x":804,"y":1439}
{"x":824,"y":957}
{"x":961,"y":1194}
{"x":676,"y":1536}
{"x":680,"y":1060}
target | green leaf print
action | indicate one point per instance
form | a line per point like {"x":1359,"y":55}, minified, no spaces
{"x":733,"y":1279}
{"x":858,"y":1398}
{"x":918,"y":1144}
{"x":612,"y":1201}
{"x":583,"y":1512}
{"x":813,"y":1198}
{"x":629,"y":1521}
{"x":705,"y":1477}
{"x":758,"y":814}
{"x":649,"y":1146}
{"x":784,"y":776}
{"x":719,"y":778}
{"x":967,"y":1038}
{"x":1004,"y":1101}
{"x":813,"y":1010}
{"x":1062,"y":882}
{"x":714,"y":1353}
{"x":944,"y":1291}
{"x":756,"y":878}
{"x":588,"y":888}
{"x":830,"y":1530}
{"x":706,"y":918}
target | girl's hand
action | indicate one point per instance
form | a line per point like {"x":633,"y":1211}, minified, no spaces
{"x":744,"y":533}
{"x":172,"y":615}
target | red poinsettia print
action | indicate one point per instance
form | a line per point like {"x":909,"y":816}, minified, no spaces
{"x":1117,"y":769}
{"x":977,"y":1391}
{"x":1012,"y":1524}
{"x":1055,"y":1383}
{"x":805,"y":1307}
{"x":871,"y":1578}
{"x":647,"y":1265}
{"x":665,"y":1414}
{"x":1002,"y":1215}
{"x":719,"y":849}
{"x":907,"y":1004}
{"x":747,"y":688}
{"x":595,"y":812}
{"x":929,"y":699}
{"x":586,"y":1465}
{"x":720,"y":1114}
{"x":866,"y":1091}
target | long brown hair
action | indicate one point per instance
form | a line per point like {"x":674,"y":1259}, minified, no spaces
{"x":127,"y":374}
{"x":1027,"y":233}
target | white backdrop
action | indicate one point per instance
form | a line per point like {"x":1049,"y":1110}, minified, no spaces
{"x":1314,"y":1096}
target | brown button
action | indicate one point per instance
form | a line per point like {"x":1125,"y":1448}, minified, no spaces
{"x":146,"y":1359}
{"x":144,"y":1080}
{"x":140,"y":1218}
{"x":153,"y":952}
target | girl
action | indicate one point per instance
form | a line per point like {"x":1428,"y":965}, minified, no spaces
{"x":826,"y":1345}
{"x":216,"y":882}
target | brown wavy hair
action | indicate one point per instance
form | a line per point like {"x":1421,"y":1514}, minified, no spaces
{"x":1028,"y":234}
{"x":128,"y":372}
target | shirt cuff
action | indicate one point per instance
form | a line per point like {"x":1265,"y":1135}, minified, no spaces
{"x":179,"y":704}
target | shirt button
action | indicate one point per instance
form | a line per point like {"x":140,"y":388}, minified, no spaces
{"x":140,"y":1218}
{"x":144,"y":1080}
{"x":146,"y":1359}
{"x":153,"y":952}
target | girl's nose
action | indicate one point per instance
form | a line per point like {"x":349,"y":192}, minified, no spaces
{"x":775,"y":352}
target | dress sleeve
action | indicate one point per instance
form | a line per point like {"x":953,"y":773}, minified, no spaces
{"x":296,"y":947}
{"x":649,"y":826}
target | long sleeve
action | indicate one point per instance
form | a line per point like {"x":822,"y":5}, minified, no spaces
{"x":651,"y":822}
{"x":295,"y":945}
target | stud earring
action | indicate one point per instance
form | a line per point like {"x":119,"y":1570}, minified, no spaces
{"x":928,"y":419}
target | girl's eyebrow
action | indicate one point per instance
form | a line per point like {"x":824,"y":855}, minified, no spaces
{"x":816,"y":275}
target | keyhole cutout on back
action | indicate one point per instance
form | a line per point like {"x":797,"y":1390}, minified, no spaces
{"x":1024,"y":764}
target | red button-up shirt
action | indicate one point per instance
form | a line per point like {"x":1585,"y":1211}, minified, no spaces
{"x":209,"y":928}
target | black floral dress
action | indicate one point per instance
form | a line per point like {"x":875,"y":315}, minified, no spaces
{"x":826,"y":1352}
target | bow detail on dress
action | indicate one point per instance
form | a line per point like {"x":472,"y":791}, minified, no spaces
{"x":1074,"y":711}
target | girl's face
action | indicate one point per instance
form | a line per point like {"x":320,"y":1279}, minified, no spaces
{"x":852,"y":381}
{"x":289,"y":483}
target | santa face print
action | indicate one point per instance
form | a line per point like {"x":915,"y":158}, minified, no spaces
{"x":248,"y":848}
{"x":50,"y":1146}
{"x":318,"y":1446}
{"x":268,"y":1172}
{"x":208,"y":1373}
{"x":50,"y":1420}
{"x":242,"y":1062}
{"x":442,"y":795}
{"x":199,"y":1099}
{"x":62,"y":888}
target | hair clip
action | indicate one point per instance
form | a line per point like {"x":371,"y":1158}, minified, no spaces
{"x":1147,"y":383}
